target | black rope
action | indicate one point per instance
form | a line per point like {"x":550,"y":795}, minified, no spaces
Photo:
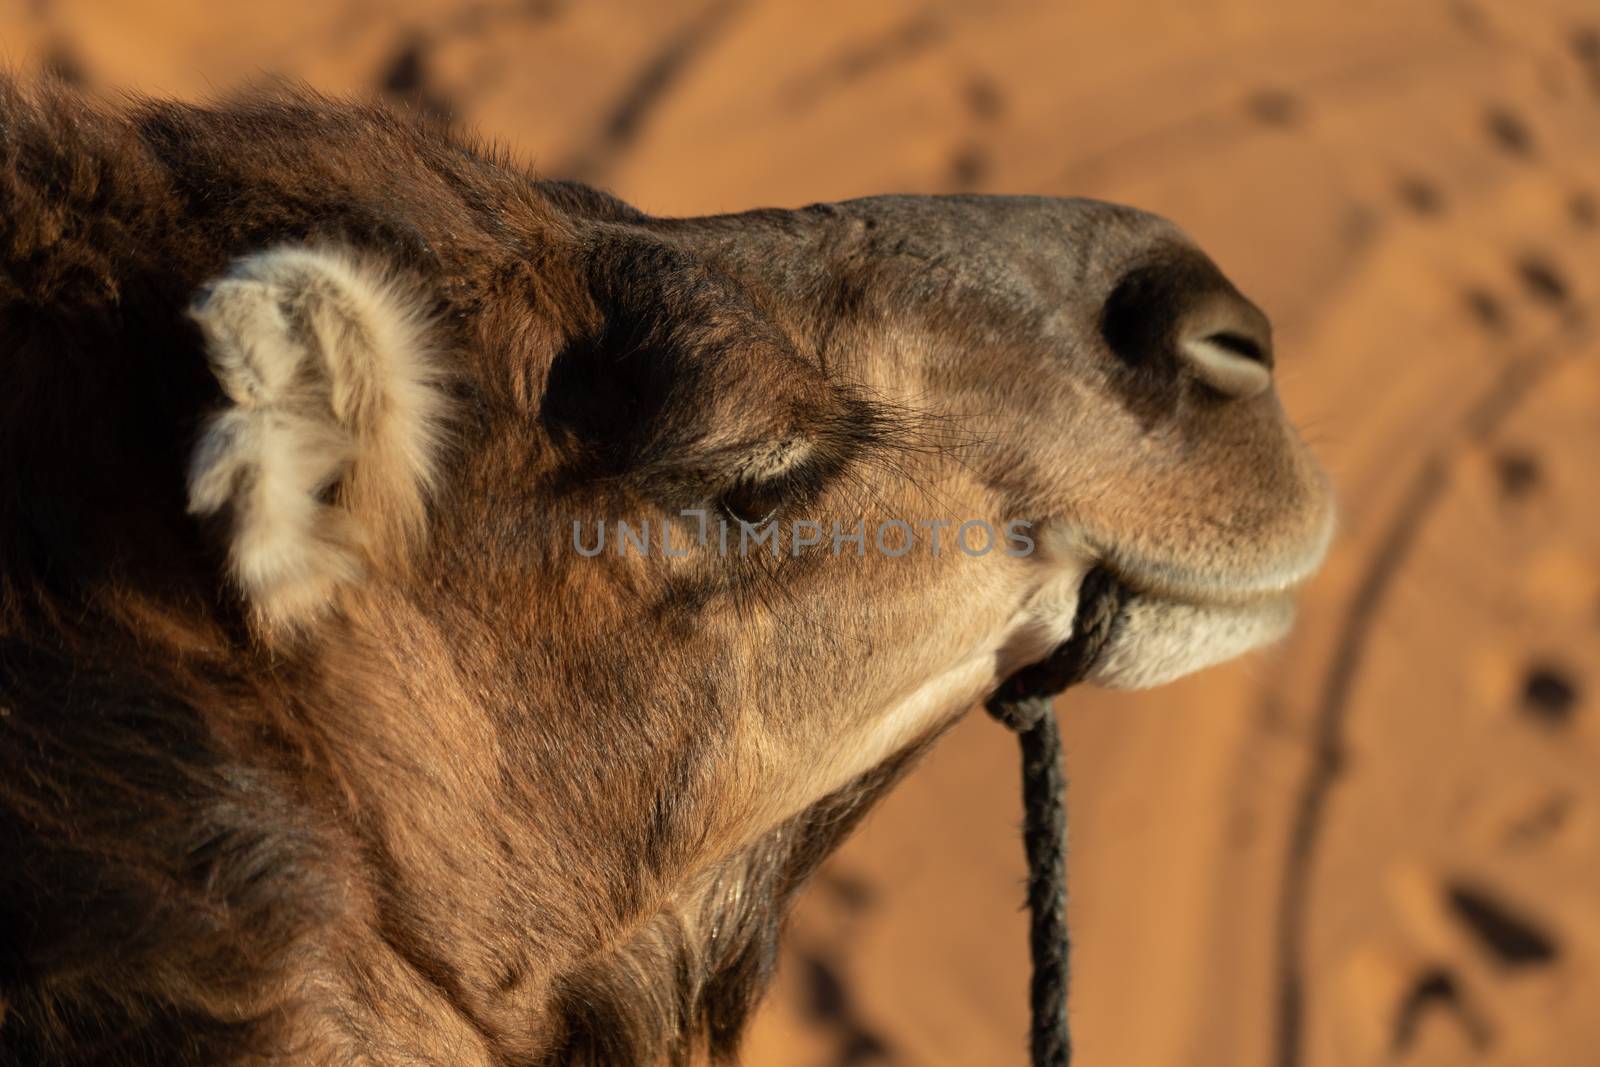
{"x":1023,"y":703}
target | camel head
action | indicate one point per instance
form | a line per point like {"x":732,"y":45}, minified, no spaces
{"x":548,"y":584}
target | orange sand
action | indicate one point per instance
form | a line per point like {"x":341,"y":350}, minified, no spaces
{"x":1397,"y":813}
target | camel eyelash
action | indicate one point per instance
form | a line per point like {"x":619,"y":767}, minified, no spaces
{"x":864,"y":431}
{"x":759,"y":500}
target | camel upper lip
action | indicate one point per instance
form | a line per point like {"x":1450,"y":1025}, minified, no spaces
{"x":1167,"y":576}
{"x":1178,"y":580}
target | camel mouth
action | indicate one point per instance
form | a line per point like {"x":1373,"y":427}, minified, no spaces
{"x":1199,"y":589}
{"x":1179,"y":615}
{"x":1176,"y":621}
{"x":1266,"y":602}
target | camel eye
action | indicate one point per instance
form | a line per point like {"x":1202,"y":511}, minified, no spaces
{"x":757,"y":501}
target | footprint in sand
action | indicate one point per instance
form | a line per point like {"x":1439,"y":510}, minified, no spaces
{"x":1435,"y":998}
{"x":1509,"y":132}
{"x":1550,"y":694}
{"x":970,"y":162}
{"x":1421,"y":197}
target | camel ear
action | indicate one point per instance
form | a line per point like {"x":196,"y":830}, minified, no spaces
{"x":323,"y":457}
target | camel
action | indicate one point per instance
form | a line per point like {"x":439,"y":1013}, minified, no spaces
{"x":327,"y":735}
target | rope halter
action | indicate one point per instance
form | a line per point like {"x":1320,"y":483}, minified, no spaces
{"x":1023,"y":703}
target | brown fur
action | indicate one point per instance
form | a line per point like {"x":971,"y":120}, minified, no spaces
{"x":497,"y":803}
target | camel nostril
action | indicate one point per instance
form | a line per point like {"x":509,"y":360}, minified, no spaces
{"x":1181,"y":311}
{"x":1231,"y":365}
{"x":1241,"y":346}
{"x":1227,"y":343}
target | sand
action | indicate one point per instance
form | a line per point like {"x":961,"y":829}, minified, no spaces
{"x":1376,"y":844}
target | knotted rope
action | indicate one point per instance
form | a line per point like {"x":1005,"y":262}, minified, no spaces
{"x":1023,"y":704}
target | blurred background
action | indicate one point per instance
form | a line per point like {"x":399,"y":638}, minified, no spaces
{"x":1377,"y":844}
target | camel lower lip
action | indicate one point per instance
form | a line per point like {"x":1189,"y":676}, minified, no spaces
{"x":1221,"y":599}
{"x":1161,"y":638}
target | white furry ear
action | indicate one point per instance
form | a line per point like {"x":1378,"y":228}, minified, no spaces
{"x":326,"y":451}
